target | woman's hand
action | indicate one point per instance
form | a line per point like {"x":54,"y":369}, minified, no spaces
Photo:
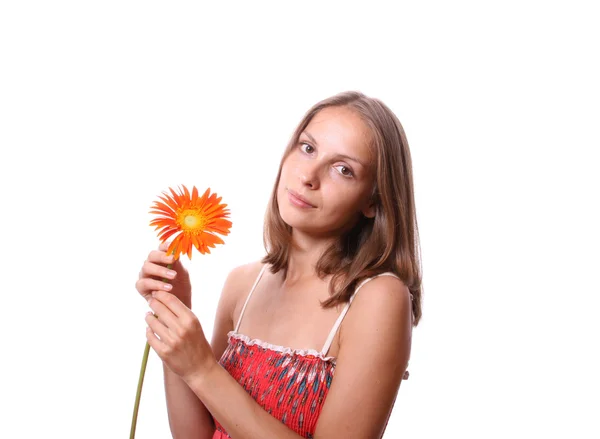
{"x":155,"y":276}
{"x":176,"y":335}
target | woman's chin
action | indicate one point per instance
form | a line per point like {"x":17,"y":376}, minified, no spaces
{"x":298,"y":224}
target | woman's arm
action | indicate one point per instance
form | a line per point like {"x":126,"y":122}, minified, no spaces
{"x":375,"y":343}
{"x":188,"y":417}
{"x":373,"y":355}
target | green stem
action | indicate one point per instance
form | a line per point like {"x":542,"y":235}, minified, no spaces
{"x":138,"y":393}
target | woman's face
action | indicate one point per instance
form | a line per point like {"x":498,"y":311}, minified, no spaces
{"x":327,"y":179}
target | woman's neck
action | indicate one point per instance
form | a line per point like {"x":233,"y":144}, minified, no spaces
{"x":303,"y":256}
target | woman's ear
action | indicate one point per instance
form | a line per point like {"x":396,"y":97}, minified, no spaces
{"x":370,"y":210}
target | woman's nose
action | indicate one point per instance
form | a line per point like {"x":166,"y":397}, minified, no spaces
{"x":309,"y":176}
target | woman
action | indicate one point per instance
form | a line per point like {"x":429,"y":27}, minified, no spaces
{"x":340,"y":230}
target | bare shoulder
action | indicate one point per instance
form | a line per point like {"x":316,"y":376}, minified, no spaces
{"x":374,"y":350}
{"x":383,"y":304}
{"x":236,"y":287}
{"x":238,"y":283}
{"x":243,"y":276}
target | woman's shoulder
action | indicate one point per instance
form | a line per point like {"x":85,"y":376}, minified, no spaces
{"x":240,"y":280}
{"x":236,"y":288}
{"x":381,"y":292}
{"x":383,"y":303}
{"x":246,"y":273}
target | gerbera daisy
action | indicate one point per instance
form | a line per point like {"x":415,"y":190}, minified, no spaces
{"x":197,"y":219}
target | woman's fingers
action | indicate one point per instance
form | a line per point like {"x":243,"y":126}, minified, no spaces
{"x":154,"y":275}
{"x":165,"y":315}
{"x":160,"y":257}
{"x":146,"y":285}
{"x":154,"y":342}
{"x":174,"y":329}
{"x":162,"y":272}
{"x":152,"y":269}
{"x":158,"y":328}
{"x":172,"y":303}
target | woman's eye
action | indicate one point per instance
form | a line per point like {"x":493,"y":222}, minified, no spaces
{"x":344,"y":170}
{"x":306,"y":147}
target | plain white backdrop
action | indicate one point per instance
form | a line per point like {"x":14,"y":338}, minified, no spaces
{"x":103,"y":105}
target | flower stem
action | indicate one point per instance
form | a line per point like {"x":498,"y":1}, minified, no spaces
{"x":138,"y":393}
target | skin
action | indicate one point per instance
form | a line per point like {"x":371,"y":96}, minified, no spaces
{"x":331,"y":167}
{"x":372,"y":345}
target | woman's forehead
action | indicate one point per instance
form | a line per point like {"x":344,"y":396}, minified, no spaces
{"x":342,"y":131}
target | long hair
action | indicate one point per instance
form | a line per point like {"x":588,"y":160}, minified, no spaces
{"x":387,"y":242}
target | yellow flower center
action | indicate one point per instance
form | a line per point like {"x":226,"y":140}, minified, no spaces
{"x":191,"y":220}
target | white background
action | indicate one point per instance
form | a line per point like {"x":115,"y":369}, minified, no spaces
{"x":103,"y":105}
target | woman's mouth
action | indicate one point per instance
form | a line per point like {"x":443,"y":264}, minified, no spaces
{"x":298,"y":200}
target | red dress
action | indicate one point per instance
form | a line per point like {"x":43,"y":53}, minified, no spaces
{"x":290,"y":384}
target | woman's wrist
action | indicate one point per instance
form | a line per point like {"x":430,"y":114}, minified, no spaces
{"x":196,"y":378}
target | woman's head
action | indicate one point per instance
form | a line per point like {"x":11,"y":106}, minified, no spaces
{"x":347,"y":174}
{"x":326,"y":179}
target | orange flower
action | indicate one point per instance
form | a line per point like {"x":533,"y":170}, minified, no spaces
{"x":195,"y":218}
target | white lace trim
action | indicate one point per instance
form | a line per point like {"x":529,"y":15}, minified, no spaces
{"x":284,"y":350}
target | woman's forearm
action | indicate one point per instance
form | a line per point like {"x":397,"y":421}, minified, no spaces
{"x":235,"y":409}
{"x":188,"y":418}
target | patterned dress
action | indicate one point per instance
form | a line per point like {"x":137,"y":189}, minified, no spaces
{"x":290,"y":384}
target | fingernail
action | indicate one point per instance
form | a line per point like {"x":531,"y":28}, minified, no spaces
{"x":171,"y":274}
{"x":167,"y":287}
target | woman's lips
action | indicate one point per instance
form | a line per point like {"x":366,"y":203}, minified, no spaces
{"x":298,"y":200}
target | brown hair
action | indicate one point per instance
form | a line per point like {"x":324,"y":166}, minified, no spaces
{"x":387,"y":242}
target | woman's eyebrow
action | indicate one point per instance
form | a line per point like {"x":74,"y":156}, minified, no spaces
{"x":312,"y":139}
{"x":353,"y":159}
{"x":347,"y":157}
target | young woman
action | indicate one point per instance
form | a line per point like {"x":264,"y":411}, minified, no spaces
{"x":290,"y":357}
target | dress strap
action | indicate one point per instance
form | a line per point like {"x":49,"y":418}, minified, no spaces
{"x":345,"y":310}
{"x":262,"y":270}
